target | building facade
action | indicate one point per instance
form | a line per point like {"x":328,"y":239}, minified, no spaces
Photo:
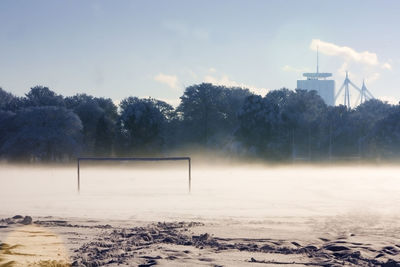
{"x":319,"y":82}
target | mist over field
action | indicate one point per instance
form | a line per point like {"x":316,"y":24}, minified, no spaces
{"x":160,"y":190}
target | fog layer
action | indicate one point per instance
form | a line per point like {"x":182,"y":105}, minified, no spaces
{"x":153,"y":191}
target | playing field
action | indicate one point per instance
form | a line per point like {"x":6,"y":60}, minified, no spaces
{"x":156,"y":190}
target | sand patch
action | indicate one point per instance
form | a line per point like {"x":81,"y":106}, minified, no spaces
{"x":32,"y":245}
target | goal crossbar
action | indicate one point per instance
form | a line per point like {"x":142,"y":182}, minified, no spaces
{"x":135,"y":159}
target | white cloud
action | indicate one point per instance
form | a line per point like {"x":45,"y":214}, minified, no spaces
{"x":387,"y":66}
{"x":170,"y":80}
{"x":225,"y":81}
{"x":348,"y":53}
{"x":213,"y":70}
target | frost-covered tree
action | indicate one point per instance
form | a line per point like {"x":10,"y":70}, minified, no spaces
{"x":278,"y":126}
{"x":99,"y":117}
{"x":6,"y":125}
{"x":43,"y":133}
{"x":9,"y":102}
{"x":384,"y":138}
{"x":252,"y":130}
{"x":261,"y":127}
{"x":104,"y":137}
{"x":143,"y":123}
{"x":337,"y":131}
{"x":282,"y":124}
{"x":209,"y":112}
{"x":363,"y":120}
{"x":40,"y":96}
{"x":302,"y":116}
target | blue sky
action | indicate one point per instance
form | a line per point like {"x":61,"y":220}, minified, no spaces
{"x":155,"y":48}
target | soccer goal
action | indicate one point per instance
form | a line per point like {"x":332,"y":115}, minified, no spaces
{"x":136,"y":159}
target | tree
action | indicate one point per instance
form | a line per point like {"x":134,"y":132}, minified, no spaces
{"x":261,"y":125}
{"x":109,"y":108}
{"x":6,"y":125}
{"x":252,"y":128}
{"x":143,"y":123}
{"x":40,"y":96}
{"x":104,"y":137}
{"x":209,"y":112}
{"x":99,"y":119}
{"x":43,"y":133}
{"x":200,"y":112}
{"x":364,"y":118}
{"x":233,"y":98}
{"x":383,"y":139}
{"x":302,"y":116}
{"x":278,"y":135}
{"x":283,"y":123}
{"x":8,"y":101}
{"x":338,"y":131}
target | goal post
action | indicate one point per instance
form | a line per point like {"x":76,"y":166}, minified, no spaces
{"x":135,"y":159}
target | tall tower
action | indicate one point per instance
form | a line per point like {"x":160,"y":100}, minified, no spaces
{"x":318,"y":81}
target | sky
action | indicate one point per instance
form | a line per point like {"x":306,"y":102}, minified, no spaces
{"x":151,"y":48}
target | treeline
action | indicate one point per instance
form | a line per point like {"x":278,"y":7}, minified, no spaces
{"x":281,"y":126}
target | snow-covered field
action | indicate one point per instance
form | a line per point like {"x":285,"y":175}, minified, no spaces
{"x":234,"y":216}
{"x":155,"y":191}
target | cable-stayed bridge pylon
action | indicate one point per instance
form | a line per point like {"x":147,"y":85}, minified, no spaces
{"x":364,"y":93}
